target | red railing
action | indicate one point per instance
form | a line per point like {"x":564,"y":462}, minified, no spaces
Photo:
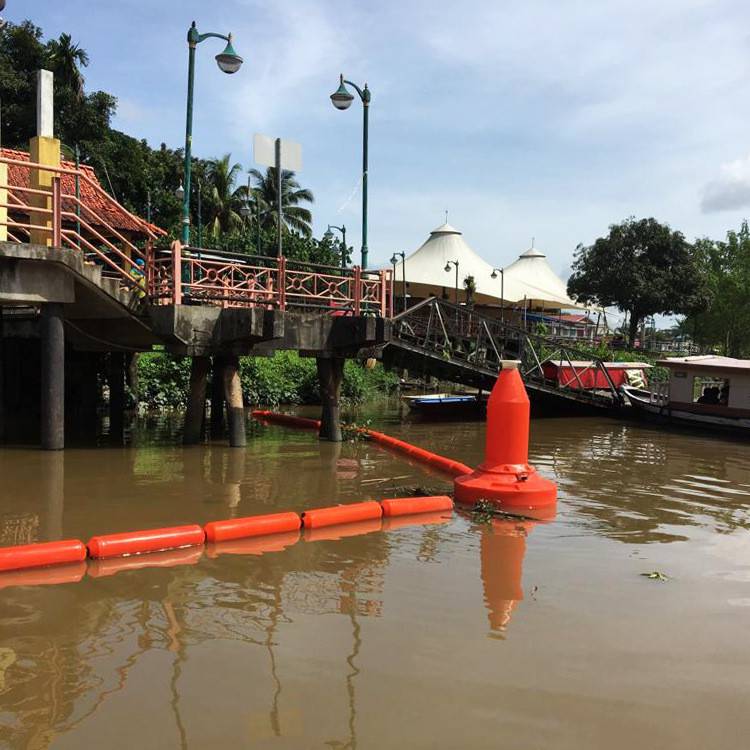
{"x":181,"y":275}
{"x":186,"y":275}
{"x":56,"y":216}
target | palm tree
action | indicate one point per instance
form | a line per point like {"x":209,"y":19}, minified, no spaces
{"x":296,"y":218}
{"x":66,"y":60}
{"x":225,"y":199}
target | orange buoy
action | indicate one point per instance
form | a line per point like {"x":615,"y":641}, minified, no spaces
{"x":238,"y":528}
{"x":257,"y":545}
{"x":343,"y":530}
{"x":319,"y":517}
{"x":408,"y":506}
{"x":150,"y":540}
{"x":42,"y":553}
{"x":419,"y":519}
{"x":505,"y":478}
{"x":165,"y":559}
{"x":64,"y":573}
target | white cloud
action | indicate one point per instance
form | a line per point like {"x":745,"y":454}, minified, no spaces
{"x":731,"y":190}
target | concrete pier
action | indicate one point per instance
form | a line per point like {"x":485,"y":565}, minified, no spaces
{"x":235,"y":405}
{"x":330,"y":377}
{"x":52,"y":334}
{"x":196,"y":405}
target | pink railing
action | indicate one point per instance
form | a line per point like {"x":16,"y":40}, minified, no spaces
{"x":67,"y":221}
{"x":195,"y":276}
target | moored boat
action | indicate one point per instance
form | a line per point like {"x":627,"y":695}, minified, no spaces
{"x":705,"y":391}
{"x":447,"y":405}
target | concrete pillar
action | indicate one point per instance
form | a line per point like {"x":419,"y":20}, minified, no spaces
{"x":52,"y":334}
{"x":196,"y":405}
{"x":235,"y":407}
{"x":116,"y":379}
{"x":330,"y":377}
{"x":217,"y":397}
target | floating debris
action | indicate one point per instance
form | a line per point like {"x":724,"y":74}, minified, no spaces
{"x":655,"y":575}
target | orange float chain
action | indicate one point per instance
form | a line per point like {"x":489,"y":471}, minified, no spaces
{"x":44,"y":553}
{"x":151,"y":540}
{"x":441,"y":463}
{"x":183,"y":545}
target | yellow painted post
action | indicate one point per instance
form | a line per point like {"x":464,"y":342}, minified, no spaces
{"x":3,"y":200}
{"x":42,"y":150}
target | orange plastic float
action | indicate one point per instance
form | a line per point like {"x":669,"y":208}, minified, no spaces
{"x":254,"y":545}
{"x":238,"y":528}
{"x":151,"y":540}
{"x":408,"y":506}
{"x":65,"y":573}
{"x":44,"y":553}
{"x":165,"y":559}
{"x":320,"y":517}
{"x":505,"y":478}
{"x":448,"y":465}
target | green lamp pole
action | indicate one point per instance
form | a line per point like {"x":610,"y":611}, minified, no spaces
{"x":344,"y":246}
{"x":394,"y":261}
{"x":341,"y":99}
{"x":448,"y":268}
{"x":229,"y":62}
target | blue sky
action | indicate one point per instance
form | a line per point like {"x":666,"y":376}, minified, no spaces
{"x":545,"y":118}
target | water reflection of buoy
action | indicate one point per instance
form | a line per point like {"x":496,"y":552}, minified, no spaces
{"x":254,"y":545}
{"x":68,"y":573}
{"x":502,"y":549}
{"x":343,"y":530}
{"x":166,"y":559}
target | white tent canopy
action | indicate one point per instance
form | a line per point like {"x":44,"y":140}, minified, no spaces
{"x":427,"y":277}
{"x":532,"y":276}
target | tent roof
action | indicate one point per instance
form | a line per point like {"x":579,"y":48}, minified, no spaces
{"x":426,"y":274}
{"x":532,"y":275}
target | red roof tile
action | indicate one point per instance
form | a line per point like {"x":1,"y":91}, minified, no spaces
{"x":93,"y":196}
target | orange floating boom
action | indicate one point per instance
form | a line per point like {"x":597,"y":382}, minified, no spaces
{"x":320,"y":517}
{"x":150,"y":540}
{"x":408,"y":506}
{"x":43,"y":553}
{"x":239,"y":528}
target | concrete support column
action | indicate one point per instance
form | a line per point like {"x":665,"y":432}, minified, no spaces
{"x":217,"y":397}
{"x":235,"y":406}
{"x":196,"y":405}
{"x":52,"y":334}
{"x":116,"y":379}
{"x":330,"y":377}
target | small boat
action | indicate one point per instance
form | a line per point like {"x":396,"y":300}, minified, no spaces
{"x":704,"y":391}
{"x":447,"y":405}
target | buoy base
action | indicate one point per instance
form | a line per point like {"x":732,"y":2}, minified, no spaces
{"x":514,"y":489}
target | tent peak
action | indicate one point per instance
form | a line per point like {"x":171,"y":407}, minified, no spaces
{"x":532,"y":252}
{"x":445,"y":229}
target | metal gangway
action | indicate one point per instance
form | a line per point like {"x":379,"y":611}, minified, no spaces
{"x":457,"y":344}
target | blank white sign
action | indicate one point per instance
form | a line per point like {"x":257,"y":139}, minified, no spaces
{"x":264,"y":152}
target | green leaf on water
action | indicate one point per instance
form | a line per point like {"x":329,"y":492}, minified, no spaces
{"x":655,"y":575}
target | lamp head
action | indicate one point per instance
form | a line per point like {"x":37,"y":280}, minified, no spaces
{"x":394,"y":259}
{"x":493,"y":275}
{"x":228,"y":60}
{"x":448,"y":266}
{"x":341,"y":98}
{"x":180,"y":192}
{"x":328,"y":235}
{"x":245,"y":210}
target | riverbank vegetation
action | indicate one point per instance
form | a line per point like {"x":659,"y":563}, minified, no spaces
{"x":285,"y":378}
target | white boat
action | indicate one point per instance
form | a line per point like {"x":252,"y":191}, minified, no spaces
{"x":704,"y":391}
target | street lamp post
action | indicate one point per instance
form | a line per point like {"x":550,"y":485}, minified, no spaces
{"x":341,"y":99}
{"x":229,"y":62}
{"x":495,"y":272}
{"x":394,"y":260}
{"x":344,"y":248}
{"x":448,"y":268}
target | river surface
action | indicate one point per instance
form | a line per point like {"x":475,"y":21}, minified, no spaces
{"x":438,"y":634}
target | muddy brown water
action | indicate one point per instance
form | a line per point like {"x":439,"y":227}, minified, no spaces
{"x":454,"y":634}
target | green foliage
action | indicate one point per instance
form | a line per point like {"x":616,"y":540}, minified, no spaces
{"x":724,"y":325}
{"x":641,"y":267}
{"x":285,"y":378}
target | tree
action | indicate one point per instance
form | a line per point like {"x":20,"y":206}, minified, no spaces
{"x":66,"y":60}
{"x":470,"y":287}
{"x":296,"y":217}
{"x":225,"y":200}
{"x":643,"y":268}
{"x":724,"y":323}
